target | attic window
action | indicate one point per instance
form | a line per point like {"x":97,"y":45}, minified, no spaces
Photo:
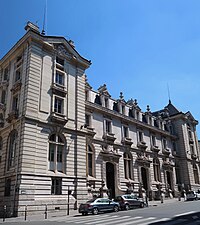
{"x":60,"y":61}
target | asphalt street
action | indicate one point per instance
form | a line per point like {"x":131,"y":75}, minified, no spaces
{"x":175,"y":213}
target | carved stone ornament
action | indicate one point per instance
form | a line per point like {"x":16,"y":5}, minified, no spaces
{"x":108,"y":148}
{"x":62,"y":51}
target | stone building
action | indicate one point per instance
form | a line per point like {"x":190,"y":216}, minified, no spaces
{"x":58,"y":135}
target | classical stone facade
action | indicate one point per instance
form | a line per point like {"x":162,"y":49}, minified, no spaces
{"x":58,"y":134}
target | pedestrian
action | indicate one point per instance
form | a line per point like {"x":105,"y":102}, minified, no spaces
{"x":162,"y":196}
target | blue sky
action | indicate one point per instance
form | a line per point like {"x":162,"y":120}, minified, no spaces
{"x":138,"y":47}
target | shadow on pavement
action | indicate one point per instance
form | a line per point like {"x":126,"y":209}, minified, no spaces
{"x":180,"y":219}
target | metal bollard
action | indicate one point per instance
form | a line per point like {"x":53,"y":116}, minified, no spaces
{"x":4,"y":213}
{"x":25,"y":215}
{"x":45,"y":213}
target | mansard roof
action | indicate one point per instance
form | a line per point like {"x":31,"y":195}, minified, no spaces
{"x":169,"y":110}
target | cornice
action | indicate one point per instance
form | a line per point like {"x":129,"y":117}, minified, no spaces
{"x":125,"y":119}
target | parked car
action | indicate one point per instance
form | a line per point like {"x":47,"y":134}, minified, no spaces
{"x":97,"y":205}
{"x":129,"y":201}
{"x":193,"y":195}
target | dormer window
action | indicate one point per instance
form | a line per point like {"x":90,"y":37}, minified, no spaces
{"x":138,"y":115}
{"x":123,"y":109}
{"x":106,"y":103}
{"x":131,"y":113}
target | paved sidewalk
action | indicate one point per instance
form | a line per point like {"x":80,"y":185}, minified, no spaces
{"x":41,"y":217}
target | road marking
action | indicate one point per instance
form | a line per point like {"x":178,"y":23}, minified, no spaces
{"x":106,"y":220}
{"x":186,"y":213}
{"x":122,"y":220}
{"x":94,"y":218}
{"x":155,"y":221}
{"x":138,"y":221}
{"x":82,"y":218}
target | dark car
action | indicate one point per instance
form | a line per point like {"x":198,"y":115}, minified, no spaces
{"x":97,"y":205}
{"x":129,"y":201}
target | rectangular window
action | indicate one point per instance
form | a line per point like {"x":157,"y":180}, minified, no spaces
{"x":59,"y":78}
{"x":153,"y":137}
{"x":60,"y":61}
{"x":108,"y":126}
{"x":125,"y":130}
{"x":15,"y":103}
{"x":164,"y":143}
{"x":7,"y":187}
{"x":18,"y":74}
{"x":174,"y":146}
{"x":140,"y":136}
{"x":56,"y":186}
{"x":192,"y":149}
{"x":3,"y":97}
{"x":58,"y":105}
{"x":87,"y":120}
{"x":5,"y":74}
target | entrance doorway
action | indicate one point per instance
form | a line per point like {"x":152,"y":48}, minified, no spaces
{"x":144,"y":178}
{"x":169,"y":179}
{"x":110,"y":179}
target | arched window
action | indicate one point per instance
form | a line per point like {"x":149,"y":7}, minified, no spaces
{"x":1,"y":148}
{"x":196,"y":174}
{"x":128,"y":166}
{"x":90,"y":161}
{"x":12,"y":145}
{"x":56,"y":153}
{"x":156,"y":169}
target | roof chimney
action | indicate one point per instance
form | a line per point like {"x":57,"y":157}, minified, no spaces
{"x":31,"y":26}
